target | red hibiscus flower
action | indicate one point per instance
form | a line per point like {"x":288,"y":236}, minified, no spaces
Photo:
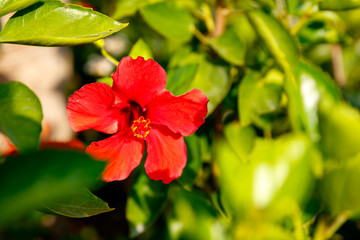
{"x":135,"y":109}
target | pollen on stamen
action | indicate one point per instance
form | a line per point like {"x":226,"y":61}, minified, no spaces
{"x":140,"y":127}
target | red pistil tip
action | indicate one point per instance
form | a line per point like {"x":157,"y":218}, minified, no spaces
{"x":140,"y":127}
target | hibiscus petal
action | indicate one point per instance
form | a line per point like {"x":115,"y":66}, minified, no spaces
{"x":92,"y":107}
{"x":166,"y":156}
{"x":138,"y":79}
{"x":183,"y":114}
{"x":124,"y":154}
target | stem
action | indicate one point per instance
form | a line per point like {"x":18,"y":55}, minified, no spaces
{"x":200,"y":36}
{"x":339,"y":221}
{"x":295,"y":30}
{"x":109,"y":57}
{"x":338,"y":64}
{"x":324,"y":231}
{"x":100,"y":44}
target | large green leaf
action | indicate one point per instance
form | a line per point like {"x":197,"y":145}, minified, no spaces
{"x":145,"y":203}
{"x":20,"y":116}
{"x":81,"y":203}
{"x":340,"y":130}
{"x":340,"y":188}
{"x":169,"y":20}
{"x":28,"y":181}
{"x":276,"y":38}
{"x":339,"y":5}
{"x":278,"y":175}
{"x":282,"y":171}
{"x":230,"y":47}
{"x":235,"y":179}
{"x":55,"y":23}
{"x":140,"y":48}
{"x":8,"y":6}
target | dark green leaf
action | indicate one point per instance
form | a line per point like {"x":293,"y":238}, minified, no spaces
{"x":193,"y":163}
{"x":20,"y":116}
{"x":169,"y":20}
{"x":145,"y":203}
{"x":55,"y":23}
{"x":81,"y":203}
{"x":230,"y":47}
{"x":28,"y":181}
{"x":339,"y":5}
{"x":140,"y":48}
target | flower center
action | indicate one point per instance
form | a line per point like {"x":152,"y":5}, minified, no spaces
{"x":140,"y":127}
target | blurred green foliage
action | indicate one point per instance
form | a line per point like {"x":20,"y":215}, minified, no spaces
{"x":278,"y":156}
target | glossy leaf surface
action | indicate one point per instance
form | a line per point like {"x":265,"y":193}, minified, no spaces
{"x":57,"y":24}
{"x":20,"y":116}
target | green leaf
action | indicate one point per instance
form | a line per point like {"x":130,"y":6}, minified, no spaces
{"x":340,"y":188}
{"x":126,"y":8}
{"x":179,"y":80}
{"x":235,"y":179}
{"x":81,"y":203}
{"x":145,"y":203}
{"x":214,"y":81}
{"x":55,"y":23}
{"x":195,"y":71}
{"x":282,"y":171}
{"x":276,"y":37}
{"x":241,"y":139}
{"x":195,"y":216}
{"x":314,"y":87}
{"x":169,"y":20}
{"x":8,"y":6}
{"x":340,"y":131}
{"x":257,"y":97}
{"x":140,"y":48}
{"x":230,"y":47}
{"x":28,"y":181}
{"x":20,"y":116}
{"x":193,"y":163}
{"x":339,"y":5}
{"x":292,"y":6}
